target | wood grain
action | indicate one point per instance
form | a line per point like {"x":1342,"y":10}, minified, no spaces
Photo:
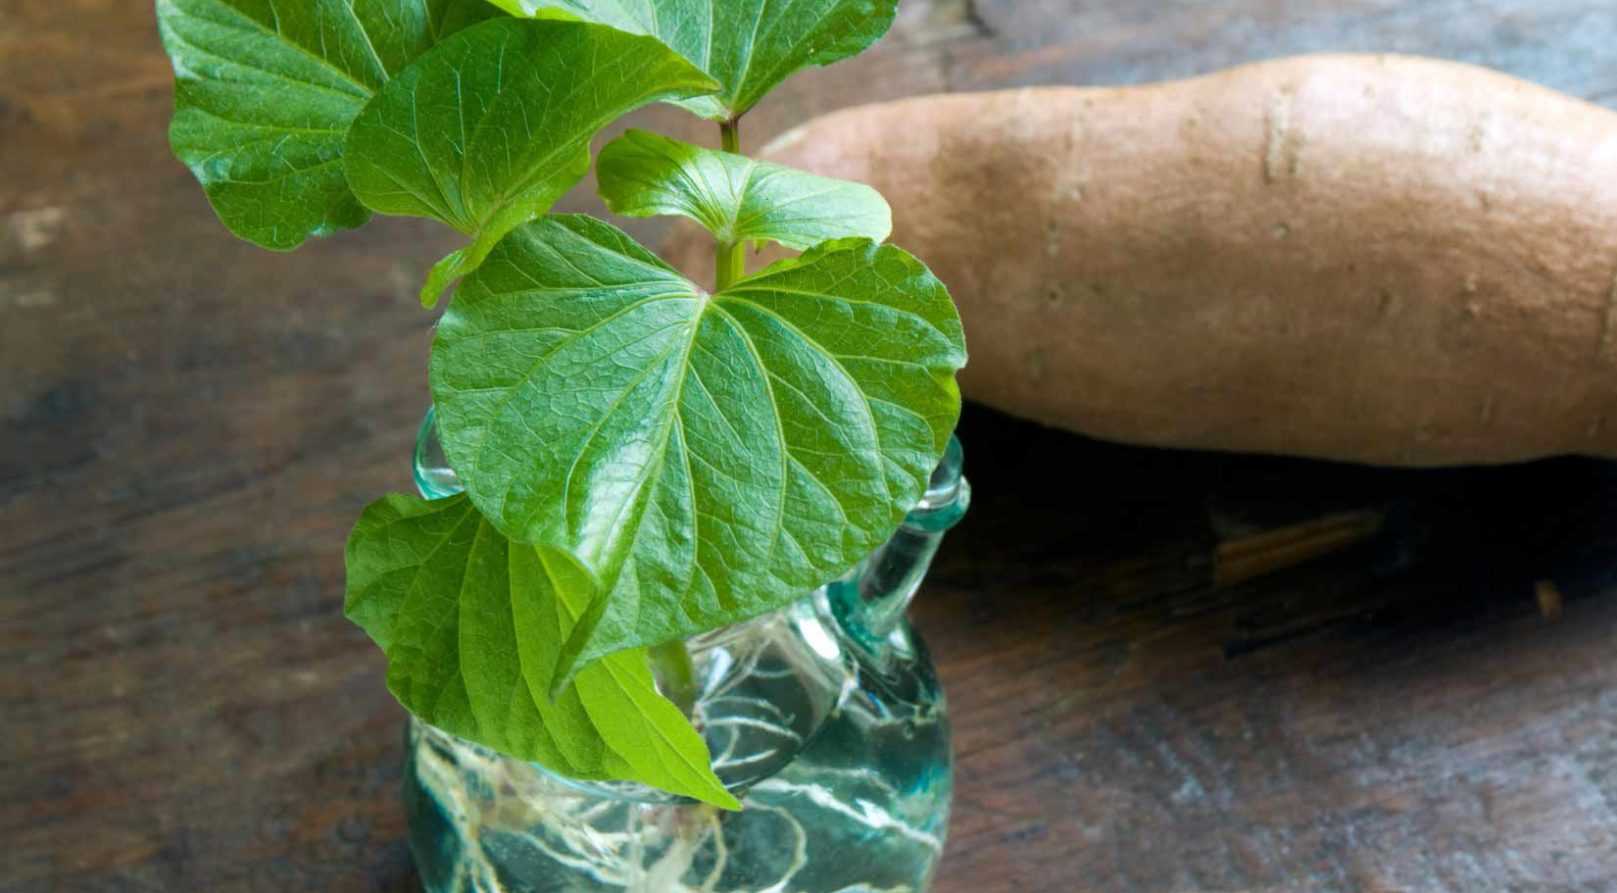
{"x":188,"y":425}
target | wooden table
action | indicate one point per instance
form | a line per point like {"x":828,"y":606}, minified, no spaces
{"x":188,"y":425}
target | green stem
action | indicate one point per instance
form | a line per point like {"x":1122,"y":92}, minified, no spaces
{"x":730,"y":262}
{"x":671,"y":663}
{"x":729,"y":259}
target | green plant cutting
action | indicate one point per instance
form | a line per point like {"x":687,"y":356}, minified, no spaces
{"x":645,"y":458}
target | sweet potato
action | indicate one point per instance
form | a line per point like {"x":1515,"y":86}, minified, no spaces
{"x":1378,"y":259}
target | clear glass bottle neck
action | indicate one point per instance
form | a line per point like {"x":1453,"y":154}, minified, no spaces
{"x":871,"y":600}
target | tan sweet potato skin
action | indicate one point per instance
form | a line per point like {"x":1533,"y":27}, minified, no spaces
{"x":1378,"y":259}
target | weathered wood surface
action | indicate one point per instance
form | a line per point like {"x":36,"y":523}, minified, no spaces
{"x":188,"y":426}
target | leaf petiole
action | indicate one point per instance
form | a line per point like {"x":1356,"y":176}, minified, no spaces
{"x":731,"y":263}
{"x":730,"y":258}
{"x":676,"y":674}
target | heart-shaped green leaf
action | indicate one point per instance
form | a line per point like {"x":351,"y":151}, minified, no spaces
{"x":492,"y":126}
{"x":471,"y":624}
{"x":709,"y":458}
{"x":265,"y":92}
{"x":736,"y":198}
{"x":749,"y":46}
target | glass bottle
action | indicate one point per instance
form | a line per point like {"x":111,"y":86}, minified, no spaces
{"x":824,"y":718}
